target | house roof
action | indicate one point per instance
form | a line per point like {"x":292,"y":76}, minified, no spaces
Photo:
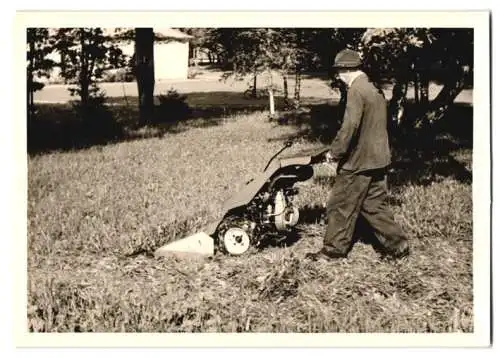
{"x":161,"y":34}
{"x":169,"y":33}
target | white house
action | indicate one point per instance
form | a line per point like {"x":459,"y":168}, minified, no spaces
{"x":171,"y":54}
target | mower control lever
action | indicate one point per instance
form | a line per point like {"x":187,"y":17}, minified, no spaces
{"x":288,"y":144}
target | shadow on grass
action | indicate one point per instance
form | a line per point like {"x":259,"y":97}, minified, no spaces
{"x":290,"y":239}
{"x":58,"y":127}
{"x":63,"y":127}
{"x":418,"y":157}
{"x":425,"y":157}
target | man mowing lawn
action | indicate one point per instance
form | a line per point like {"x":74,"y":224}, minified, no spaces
{"x":360,"y":154}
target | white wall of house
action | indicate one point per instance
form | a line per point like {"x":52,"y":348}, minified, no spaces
{"x":171,"y":60}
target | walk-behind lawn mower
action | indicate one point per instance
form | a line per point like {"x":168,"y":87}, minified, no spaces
{"x":263,"y":210}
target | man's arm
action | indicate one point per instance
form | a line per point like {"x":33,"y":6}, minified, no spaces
{"x":351,"y":121}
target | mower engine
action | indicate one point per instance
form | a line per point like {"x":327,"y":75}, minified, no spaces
{"x":269,"y":215}
{"x":281,"y":213}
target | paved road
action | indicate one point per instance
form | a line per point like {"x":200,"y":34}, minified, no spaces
{"x":310,"y":88}
{"x":60,"y":93}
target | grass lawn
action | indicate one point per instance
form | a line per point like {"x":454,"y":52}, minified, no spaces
{"x":95,"y":216}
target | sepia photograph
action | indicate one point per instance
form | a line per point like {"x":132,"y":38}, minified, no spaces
{"x":256,"y":179}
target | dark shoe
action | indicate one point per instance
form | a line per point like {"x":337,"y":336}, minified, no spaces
{"x":402,"y":252}
{"x":325,"y":255}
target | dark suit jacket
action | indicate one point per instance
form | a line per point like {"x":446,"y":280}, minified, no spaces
{"x":362,"y":142}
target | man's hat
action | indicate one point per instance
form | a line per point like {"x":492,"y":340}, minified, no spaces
{"x":347,"y":59}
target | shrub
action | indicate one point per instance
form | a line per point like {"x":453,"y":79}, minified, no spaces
{"x":96,"y":119}
{"x":172,"y":107}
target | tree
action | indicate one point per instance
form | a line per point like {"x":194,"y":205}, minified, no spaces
{"x":224,"y":43}
{"x":403,"y":56}
{"x":199,"y":40}
{"x":144,"y":56}
{"x":39,"y":45}
{"x":262,"y":51}
{"x":388,"y":54}
{"x":85,"y":54}
{"x":407,"y":55}
{"x":310,"y":49}
{"x":454,"y":51}
{"x":141,"y":65}
{"x":250,"y":52}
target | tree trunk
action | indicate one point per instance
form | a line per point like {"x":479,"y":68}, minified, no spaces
{"x":296,"y":95}
{"x":31,"y":60}
{"x":448,"y":94}
{"x":436,"y":109}
{"x":254,"y":89}
{"x":84,"y":83}
{"x":31,"y":96}
{"x":285,"y":89}
{"x":454,"y":84}
{"x":343,"y":94}
{"x":144,"y":49}
{"x":84,"y":90}
{"x":342,"y":88}
{"x":424,"y":88}
{"x":31,"y":104}
{"x":416,"y":86}
{"x":271,"y":102}
{"x":397,"y":102}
